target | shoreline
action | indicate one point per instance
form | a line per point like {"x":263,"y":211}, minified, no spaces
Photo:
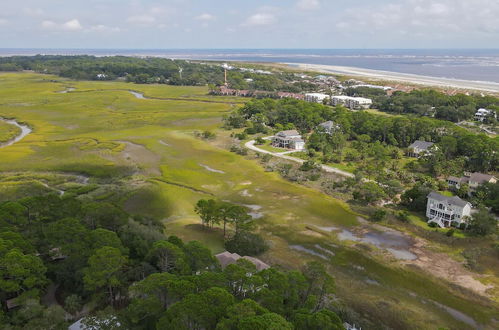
{"x":378,"y":75}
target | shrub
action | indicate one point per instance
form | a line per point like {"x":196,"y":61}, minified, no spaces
{"x":403,"y":216}
{"x":450,"y":232}
{"x":309,"y":165}
{"x":378,"y":215}
{"x":259,"y":141}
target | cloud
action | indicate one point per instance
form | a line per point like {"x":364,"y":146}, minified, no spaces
{"x":71,"y":25}
{"x":425,"y":17}
{"x":260,"y":19}
{"x":104,"y":28}
{"x":308,"y":4}
{"x":3,"y":21}
{"x":205,"y":17}
{"x":141,"y":19}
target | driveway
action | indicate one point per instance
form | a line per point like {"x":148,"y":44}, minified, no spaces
{"x":251,"y":145}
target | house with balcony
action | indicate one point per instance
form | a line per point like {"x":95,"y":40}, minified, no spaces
{"x":473,"y":180}
{"x":483,"y":114}
{"x":290,"y":139}
{"x":446,"y":211}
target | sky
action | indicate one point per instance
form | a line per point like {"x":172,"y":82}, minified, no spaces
{"x":168,"y":24}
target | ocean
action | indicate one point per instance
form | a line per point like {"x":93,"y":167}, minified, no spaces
{"x":465,"y":64}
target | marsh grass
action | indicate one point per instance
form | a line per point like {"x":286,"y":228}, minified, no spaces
{"x":86,"y":132}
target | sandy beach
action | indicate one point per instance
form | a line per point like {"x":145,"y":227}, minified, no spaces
{"x":490,"y":87}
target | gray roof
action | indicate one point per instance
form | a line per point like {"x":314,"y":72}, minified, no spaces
{"x":421,"y":145}
{"x":329,"y":125}
{"x":226,"y":258}
{"x":480,"y":177}
{"x":454,"y":200}
{"x":291,"y":132}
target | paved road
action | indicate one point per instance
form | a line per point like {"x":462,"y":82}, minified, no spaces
{"x":251,"y":145}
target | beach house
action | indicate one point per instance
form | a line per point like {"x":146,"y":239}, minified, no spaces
{"x":473,"y":180}
{"x":483,"y":114}
{"x":446,"y":211}
{"x":290,"y":139}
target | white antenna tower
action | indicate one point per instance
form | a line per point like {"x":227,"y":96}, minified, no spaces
{"x":180,"y":72}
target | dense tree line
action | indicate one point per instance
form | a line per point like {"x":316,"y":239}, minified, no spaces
{"x":429,"y":102}
{"x":153,"y":70}
{"x":98,"y":255}
{"x":382,"y":137}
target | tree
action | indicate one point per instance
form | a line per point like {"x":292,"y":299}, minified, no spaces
{"x":20,"y":273}
{"x":207,"y":211}
{"x":104,"y":270}
{"x":323,"y":319}
{"x":321,"y":284}
{"x":199,"y":257}
{"x":269,"y":321}
{"x":73,"y":304}
{"x":246,"y":244}
{"x":153,"y":295}
{"x":369,"y":192}
{"x":168,"y":257}
{"x":197,"y":311}
{"x":483,"y":223}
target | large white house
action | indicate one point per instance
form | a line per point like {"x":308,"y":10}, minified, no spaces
{"x":483,"y":114}
{"x":444,"y":210}
{"x":351,"y":102}
{"x":316,"y":97}
{"x":288,"y":139}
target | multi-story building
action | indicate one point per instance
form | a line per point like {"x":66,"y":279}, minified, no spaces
{"x":483,"y":114}
{"x":352,"y":102}
{"x":316,"y":97}
{"x":288,"y":139}
{"x":445,"y":211}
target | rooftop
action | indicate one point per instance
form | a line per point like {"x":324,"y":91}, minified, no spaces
{"x":421,"y":145}
{"x":454,"y":200}
{"x":226,"y":258}
{"x":288,"y":133}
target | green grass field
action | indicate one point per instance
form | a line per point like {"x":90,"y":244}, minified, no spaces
{"x":8,"y":131}
{"x":102,"y":131}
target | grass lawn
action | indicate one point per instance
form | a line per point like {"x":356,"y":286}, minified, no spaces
{"x":104,"y":132}
{"x":269,"y":147}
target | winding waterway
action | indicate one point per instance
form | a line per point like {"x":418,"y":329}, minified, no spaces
{"x":25,"y":130}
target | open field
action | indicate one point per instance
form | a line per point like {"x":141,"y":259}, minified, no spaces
{"x":102,"y":132}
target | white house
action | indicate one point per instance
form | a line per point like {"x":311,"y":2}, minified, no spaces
{"x":288,"y":139}
{"x":316,"y":97}
{"x":420,"y":148}
{"x":483,"y":114}
{"x":329,"y":127}
{"x":352,"y":102}
{"x":444,"y":210}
